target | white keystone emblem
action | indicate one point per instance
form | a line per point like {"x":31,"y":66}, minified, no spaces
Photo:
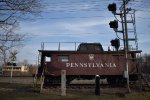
{"x":91,"y":56}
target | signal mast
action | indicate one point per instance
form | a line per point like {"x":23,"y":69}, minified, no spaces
{"x":114,"y":24}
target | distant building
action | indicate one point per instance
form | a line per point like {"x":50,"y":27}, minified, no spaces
{"x":16,"y":70}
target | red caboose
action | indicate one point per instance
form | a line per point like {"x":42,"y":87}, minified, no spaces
{"x":87,"y":61}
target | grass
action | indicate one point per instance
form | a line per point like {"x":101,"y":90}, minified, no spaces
{"x":15,"y":91}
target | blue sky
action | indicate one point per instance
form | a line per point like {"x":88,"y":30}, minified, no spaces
{"x":80,"y":21}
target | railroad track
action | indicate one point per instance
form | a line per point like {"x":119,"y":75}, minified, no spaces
{"x":77,"y":86}
{"x":54,"y":87}
{"x":87,"y":89}
{"x":84,"y":89}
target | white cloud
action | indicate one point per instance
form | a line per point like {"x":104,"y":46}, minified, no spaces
{"x":82,"y":25}
{"x":65,"y":27}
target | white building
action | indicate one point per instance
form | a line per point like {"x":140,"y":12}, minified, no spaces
{"x":16,"y":68}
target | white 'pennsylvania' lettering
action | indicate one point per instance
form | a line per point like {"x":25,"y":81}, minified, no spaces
{"x":100,"y":65}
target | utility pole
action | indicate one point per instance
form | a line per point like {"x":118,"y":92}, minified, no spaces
{"x":126,"y":44}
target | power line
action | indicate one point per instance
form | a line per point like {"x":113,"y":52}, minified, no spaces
{"x":76,"y":17}
{"x":83,"y":1}
{"x":73,"y":11}
{"x":75,"y":5}
{"x":143,"y":10}
{"x":143,"y":17}
{"x":69,"y":34}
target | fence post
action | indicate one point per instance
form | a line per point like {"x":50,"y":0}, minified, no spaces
{"x":97,"y":87}
{"x":63,"y":82}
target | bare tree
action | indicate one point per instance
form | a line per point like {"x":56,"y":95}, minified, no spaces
{"x":13,"y":10}
{"x":9,"y":41}
{"x":10,"y":12}
{"x":146,"y":63}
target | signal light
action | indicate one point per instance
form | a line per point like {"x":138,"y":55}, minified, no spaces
{"x":115,"y":43}
{"x":112,"y":7}
{"x":113,"y":24}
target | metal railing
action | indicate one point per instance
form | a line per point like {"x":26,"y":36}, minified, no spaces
{"x":72,"y":46}
{"x":59,"y":45}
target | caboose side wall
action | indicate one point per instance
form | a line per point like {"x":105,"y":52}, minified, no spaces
{"x":86,"y":63}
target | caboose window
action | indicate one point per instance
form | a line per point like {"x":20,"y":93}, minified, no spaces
{"x":64,"y":58}
{"x":48,"y":59}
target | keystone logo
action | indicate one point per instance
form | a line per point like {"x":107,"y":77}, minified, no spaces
{"x":91,"y":56}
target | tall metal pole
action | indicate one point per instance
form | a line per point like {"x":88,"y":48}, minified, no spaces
{"x":126,"y":44}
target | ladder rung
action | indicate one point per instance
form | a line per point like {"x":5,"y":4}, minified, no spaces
{"x":130,"y":31}
{"x":129,"y":21}
{"x":131,"y":39}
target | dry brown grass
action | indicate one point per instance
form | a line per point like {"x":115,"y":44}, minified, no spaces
{"x":16,"y":91}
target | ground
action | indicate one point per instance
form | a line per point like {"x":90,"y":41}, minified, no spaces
{"x":19,"y":91}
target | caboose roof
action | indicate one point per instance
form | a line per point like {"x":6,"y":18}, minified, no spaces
{"x":84,"y":52}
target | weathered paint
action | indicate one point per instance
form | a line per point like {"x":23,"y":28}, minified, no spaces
{"x":83,"y":63}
